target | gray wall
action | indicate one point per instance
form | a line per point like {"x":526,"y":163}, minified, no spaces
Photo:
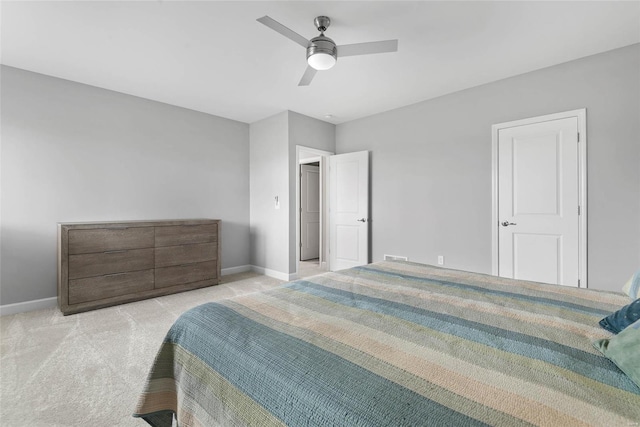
{"x":431,"y":164}
{"x":269,"y":160}
{"x":273,"y":173}
{"x":72,"y":152}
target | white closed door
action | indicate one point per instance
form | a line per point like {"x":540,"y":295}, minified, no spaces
{"x":348,"y":210}
{"x":309,"y":212}
{"x":538,"y":202}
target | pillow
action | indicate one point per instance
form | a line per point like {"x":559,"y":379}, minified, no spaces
{"x":632,"y":287}
{"x":616,"y":322}
{"x":624,"y":350}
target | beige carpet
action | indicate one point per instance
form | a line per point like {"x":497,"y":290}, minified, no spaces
{"x":87,"y":369}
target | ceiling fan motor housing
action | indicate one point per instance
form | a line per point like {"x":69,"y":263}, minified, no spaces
{"x":322,"y":44}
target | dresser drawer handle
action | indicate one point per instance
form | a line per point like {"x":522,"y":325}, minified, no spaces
{"x":118,"y":228}
{"x":115,"y":252}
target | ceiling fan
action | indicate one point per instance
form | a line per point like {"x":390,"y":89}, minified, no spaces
{"x":322,"y":52}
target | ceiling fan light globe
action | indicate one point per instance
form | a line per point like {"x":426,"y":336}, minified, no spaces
{"x":321,"y":61}
{"x":322,"y":53}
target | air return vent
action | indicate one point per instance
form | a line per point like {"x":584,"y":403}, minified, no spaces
{"x":395,"y":258}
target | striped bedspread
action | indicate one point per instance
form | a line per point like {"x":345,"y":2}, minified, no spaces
{"x":393,"y":344}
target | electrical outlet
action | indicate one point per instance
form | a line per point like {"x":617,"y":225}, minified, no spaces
{"x":440,"y":259}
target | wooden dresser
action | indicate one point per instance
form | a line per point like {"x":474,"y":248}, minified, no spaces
{"x":109,"y":263}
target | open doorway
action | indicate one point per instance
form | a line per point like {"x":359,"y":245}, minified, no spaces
{"x":309,"y":211}
{"x":311,"y":219}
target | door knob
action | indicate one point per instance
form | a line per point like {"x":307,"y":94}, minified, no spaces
{"x":362,"y":220}
{"x":507,"y":223}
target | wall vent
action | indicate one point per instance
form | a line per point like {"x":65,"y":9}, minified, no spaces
{"x":395,"y":258}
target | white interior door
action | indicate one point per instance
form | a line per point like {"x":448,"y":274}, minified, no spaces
{"x":309,"y":212}
{"x":538,"y":202}
{"x":348,"y":210}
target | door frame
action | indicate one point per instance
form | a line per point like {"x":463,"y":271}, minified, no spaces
{"x":581,"y":115}
{"x":320,"y":156}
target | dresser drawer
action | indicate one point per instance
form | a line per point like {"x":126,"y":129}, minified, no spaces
{"x":187,"y":254}
{"x":186,"y":234}
{"x":111,"y":285}
{"x":188,"y":273}
{"x":110,"y":239}
{"x":100,"y":264}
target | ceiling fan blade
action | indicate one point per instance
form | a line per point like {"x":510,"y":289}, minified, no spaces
{"x":308,"y":75}
{"x":278,"y":27}
{"x":367,"y":48}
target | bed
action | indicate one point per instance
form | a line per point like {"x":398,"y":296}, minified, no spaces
{"x":393,"y":344}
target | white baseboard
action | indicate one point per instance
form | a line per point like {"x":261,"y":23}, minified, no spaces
{"x":235,"y":270}
{"x":22,"y":307}
{"x":273,"y":273}
{"x":39,"y":304}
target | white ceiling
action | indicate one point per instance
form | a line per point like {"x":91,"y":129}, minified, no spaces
{"x":214,"y":57}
